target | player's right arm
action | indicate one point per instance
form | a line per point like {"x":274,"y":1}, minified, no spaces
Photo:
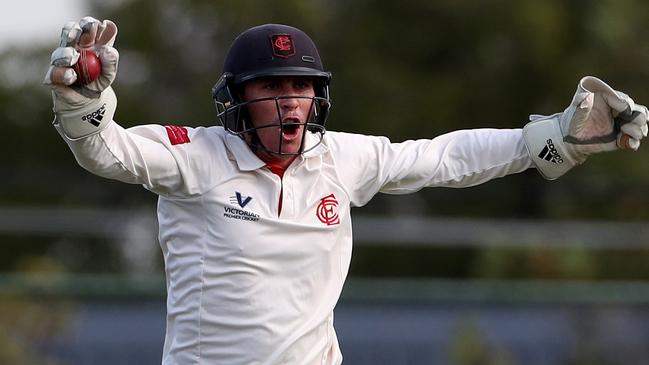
{"x":84,"y":115}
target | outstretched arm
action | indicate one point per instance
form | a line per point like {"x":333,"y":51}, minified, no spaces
{"x":598,"y":119}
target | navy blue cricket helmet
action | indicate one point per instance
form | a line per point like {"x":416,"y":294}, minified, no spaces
{"x":266,"y":51}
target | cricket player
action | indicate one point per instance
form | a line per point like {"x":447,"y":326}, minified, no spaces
{"x":254,"y":215}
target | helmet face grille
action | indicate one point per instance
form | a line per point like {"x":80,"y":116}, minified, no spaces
{"x":234,"y":121}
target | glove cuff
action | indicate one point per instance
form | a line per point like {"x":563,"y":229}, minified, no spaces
{"x":90,"y":119}
{"x":547,"y":149}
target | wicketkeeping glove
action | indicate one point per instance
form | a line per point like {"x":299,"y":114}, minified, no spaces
{"x":82,"y":110}
{"x":598,"y":119}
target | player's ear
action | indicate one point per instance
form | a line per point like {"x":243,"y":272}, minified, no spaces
{"x":240,"y":92}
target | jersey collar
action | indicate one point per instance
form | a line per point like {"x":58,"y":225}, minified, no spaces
{"x":246,"y":159}
{"x":311,"y":139}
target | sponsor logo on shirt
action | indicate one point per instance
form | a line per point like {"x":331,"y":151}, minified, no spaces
{"x":327,"y":211}
{"x":241,"y":214}
{"x":240,"y":199}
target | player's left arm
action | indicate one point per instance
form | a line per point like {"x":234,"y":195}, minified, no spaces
{"x":598,"y":119}
{"x":461,"y":158}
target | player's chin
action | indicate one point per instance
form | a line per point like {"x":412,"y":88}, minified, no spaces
{"x":291,"y":148}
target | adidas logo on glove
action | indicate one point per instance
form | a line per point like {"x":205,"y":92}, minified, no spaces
{"x":550,"y":153}
{"x":95,"y":117}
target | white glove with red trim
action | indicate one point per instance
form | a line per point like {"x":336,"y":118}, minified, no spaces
{"x":598,"y":119}
{"x":82,"y":110}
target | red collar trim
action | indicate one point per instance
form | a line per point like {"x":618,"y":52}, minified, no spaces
{"x":276,"y":169}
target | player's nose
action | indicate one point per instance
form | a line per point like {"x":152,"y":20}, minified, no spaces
{"x":289,"y":103}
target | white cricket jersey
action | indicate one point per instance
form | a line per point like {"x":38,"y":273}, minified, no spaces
{"x":247,"y":284}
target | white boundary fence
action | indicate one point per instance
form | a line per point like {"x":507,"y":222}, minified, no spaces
{"x":135,"y":224}
{"x":134,"y":232}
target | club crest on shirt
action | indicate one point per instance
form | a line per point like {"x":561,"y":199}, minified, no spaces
{"x":327,"y":210}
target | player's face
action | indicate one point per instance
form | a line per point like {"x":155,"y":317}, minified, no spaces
{"x":292,"y":110}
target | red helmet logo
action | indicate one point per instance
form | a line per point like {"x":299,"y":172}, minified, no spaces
{"x":282,"y":45}
{"x":326,"y":211}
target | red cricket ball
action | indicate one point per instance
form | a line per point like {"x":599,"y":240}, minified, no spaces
{"x":88,"y":68}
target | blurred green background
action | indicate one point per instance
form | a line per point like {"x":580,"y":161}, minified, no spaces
{"x":405,"y":70}
{"x":410,"y":69}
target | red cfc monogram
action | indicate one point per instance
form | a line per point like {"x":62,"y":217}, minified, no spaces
{"x":326,"y":211}
{"x":282,"y":45}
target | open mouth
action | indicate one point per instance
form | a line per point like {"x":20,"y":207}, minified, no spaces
{"x":290,"y":128}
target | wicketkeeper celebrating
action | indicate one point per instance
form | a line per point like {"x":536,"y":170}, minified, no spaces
{"x":254,"y":214}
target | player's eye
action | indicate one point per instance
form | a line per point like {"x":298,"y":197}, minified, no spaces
{"x":303,"y":84}
{"x":270,"y":85}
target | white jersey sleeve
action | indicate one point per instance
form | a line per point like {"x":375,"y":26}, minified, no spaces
{"x":158,"y":157}
{"x":369,"y":165}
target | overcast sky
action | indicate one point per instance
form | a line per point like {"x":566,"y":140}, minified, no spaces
{"x":36,"y":21}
